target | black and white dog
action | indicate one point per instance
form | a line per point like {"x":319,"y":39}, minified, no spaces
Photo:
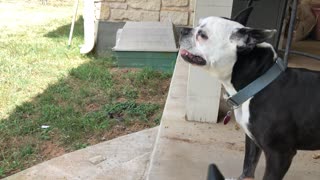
{"x":279,"y":120}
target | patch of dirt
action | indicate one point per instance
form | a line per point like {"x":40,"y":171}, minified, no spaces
{"x":163,"y":89}
{"x":117,"y":131}
{"x":145,"y":95}
{"x":92,"y":107}
{"x":123,"y":70}
{"x":50,"y":150}
{"x":120,"y":130}
{"x":119,"y":72}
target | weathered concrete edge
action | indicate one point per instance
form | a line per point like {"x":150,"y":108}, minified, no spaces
{"x":102,"y":168}
{"x":172,"y":83}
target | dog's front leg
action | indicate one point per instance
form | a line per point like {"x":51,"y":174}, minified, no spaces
{"x":251,"y":159}
{"x":277,"y":163}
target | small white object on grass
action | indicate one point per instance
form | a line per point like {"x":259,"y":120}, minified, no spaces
{"x":44,"y":127}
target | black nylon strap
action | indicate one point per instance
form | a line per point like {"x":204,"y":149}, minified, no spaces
{"x":256,"y":86}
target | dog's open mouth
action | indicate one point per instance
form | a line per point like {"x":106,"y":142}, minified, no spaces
{"x":193,"y":59}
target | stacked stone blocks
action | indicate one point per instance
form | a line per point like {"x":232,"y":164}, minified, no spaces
{"x":180,"y":12}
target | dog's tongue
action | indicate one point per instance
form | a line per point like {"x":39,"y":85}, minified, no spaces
{"x":184,"y":52}
{"x":193,"y":59}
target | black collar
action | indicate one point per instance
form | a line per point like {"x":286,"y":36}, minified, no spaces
{"x":257,"y":85}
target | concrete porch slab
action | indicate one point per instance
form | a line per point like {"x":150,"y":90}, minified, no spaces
{"x":124,"y":158}
{"x":184,"y":149}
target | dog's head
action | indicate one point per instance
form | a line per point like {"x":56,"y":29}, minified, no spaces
{"x":214,"y":43}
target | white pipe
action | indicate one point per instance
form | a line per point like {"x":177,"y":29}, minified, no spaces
{"x":90,"y":27}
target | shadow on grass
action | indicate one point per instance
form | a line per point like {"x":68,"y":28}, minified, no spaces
{"x":63,"y":31}
{"x":95,"y":102}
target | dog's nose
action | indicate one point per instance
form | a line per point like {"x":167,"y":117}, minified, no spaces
{"x":185,"y":31}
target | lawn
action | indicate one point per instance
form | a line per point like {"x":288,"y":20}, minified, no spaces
{"x":82,"y":100}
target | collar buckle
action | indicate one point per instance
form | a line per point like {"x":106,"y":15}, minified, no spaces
{"x":232,"y":104}
{"x":281,"y":64}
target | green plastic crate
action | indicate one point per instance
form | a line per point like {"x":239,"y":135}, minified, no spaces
{"x":164,"y":61}
{"x":146,"y":44}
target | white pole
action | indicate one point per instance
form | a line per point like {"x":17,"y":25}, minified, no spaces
{"x":90,"y":27}
{"x":73,"y":22}
{"x":203,"y":91}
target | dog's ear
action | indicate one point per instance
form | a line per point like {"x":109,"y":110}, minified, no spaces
{"x":243,"y":16}
{"x":248,"y":38}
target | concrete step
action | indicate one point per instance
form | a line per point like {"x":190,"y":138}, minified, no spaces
{"x":124,"y":158}
{"x":184,"y":149}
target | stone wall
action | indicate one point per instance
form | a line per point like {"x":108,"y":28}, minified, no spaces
{"x":180,"y":12}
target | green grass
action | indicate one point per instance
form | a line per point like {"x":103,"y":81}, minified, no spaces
{"x":80,"y":98}
{"x":30,"y":61}
{"x":1,"y":172}
{"x":80,"y":107}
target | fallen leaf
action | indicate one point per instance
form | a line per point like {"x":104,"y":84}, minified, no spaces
{"x":316,"y":156}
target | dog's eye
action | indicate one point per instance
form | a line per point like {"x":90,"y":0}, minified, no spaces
{"x":202,"y":34}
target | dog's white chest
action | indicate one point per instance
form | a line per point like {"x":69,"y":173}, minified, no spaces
{"x":242,"y":115}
